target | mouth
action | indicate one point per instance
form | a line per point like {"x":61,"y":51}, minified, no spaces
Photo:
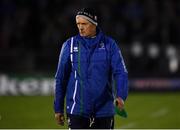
{"x":82,"y":32}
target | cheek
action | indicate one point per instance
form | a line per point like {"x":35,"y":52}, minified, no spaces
{"x":88,"y":29}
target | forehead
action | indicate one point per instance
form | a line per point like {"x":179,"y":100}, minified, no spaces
{"x":80,"y":19}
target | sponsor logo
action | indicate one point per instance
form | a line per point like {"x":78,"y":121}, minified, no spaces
{"x":75,"y":49}
{"x":27,"y":86}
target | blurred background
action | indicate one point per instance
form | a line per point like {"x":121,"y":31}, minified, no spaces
{"x":33,"y":31}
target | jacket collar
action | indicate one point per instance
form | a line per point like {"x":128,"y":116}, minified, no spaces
{"x":92,"y":41}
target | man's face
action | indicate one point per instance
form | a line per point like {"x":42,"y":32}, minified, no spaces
{"x":86,"y":28}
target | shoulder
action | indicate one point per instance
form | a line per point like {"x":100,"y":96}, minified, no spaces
{"x":71,"y":39}
{"x":68,"y":42}
{"x":112,"y":44}
{"x":109,"y":40}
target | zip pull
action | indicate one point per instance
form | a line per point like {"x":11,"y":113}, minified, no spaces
{"x":91,"y":121}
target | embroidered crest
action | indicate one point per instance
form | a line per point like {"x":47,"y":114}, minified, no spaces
{"x":101,"y":45}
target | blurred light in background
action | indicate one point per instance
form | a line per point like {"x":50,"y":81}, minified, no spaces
{"x":153,"y":50}
{"x":171,"y":51}
{"x":173,"y":64}
{"x":137,"y":49}
{"x":172,"y":55}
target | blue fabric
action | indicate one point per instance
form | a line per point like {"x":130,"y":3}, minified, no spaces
{"x":96,"y":61}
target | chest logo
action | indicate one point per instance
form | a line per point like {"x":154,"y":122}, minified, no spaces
{"x":101,"y":45}
{"x":75,"y":49}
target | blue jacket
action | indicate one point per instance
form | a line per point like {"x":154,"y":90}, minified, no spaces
{"x":86,"y":70}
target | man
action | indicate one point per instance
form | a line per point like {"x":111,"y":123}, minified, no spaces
{"x":88,"y":64}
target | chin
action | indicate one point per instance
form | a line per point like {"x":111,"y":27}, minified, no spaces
{"x":83,"y":35}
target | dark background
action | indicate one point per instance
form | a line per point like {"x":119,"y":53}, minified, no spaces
{"x":148,"y":33}
{"x":31,"y":36}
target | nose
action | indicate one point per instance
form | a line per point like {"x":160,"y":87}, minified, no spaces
{"x":81,"y":27}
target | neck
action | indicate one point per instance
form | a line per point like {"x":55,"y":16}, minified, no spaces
{"x":93,"y":35}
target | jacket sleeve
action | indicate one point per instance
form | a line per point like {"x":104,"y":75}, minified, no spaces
{"x":61,"y":78}
{"x":119,"y":71}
